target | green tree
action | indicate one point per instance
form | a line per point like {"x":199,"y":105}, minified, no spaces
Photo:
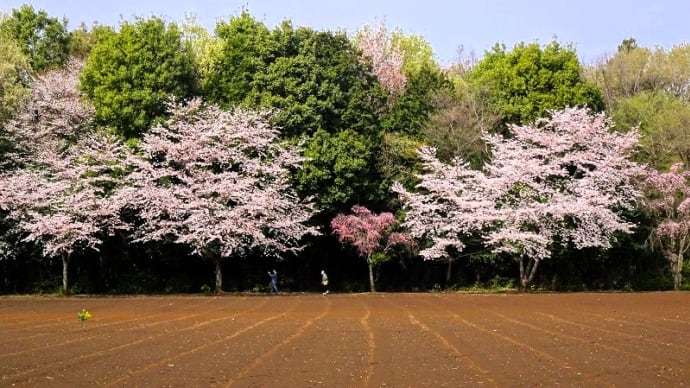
{"x":84,"y":38}
{"x":43,"y":39}
{"x":648,"y":88}
{"x":529,"y":80}
{"x":407,"y":112}
{"x":14,"y":78}
{"x":339,"y":170}
{"x":245,"y":50}
{"x":131,"y":73}
{"x":410,"y":112}
{"x":634,"y":69}
{"x":14,"y":91}
{"x":663,"y":120}
{"x":627,"y":45}
{"x":318,"y":82}
{"x":205,"y":47}
{"x":418,"y":55}
{"x":405,"y":121}
{"x":323,"y":94}
{"x":623,"y":75}
{"x":676,"y":71}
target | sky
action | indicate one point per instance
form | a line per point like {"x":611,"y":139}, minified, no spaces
{"x":595,"y":28}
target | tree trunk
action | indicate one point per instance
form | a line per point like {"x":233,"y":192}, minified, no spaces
{"x":219,"y":275}
{"x":101,"y":273}
{"x":65,"y":263}
{"x":676,"y":259}
{"x":527,"y":274}
{"x":449,"y":271}
{"x":521,"y":262}
{"x":371,"y":275}
{"x":104,"y":283}
{"x":677,"y":267}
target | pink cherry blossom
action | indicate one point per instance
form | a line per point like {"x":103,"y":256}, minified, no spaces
{"x":669,"y":201}
{"x":386,"y":58}
{"x":218,"y":182}
{"x":54,"y":191}
{"x":369,"y":232}
{"x":563,"y":178}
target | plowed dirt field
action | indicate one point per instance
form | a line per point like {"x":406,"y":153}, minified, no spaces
{"x":348,"y":340}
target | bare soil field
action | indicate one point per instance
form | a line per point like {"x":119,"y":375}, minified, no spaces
{"x":348,"y":340}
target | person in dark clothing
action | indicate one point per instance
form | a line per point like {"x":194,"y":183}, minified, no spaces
{"x":274,"y":280}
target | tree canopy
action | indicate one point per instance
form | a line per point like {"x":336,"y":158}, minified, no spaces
{"x":14,"y":78}
{"x":56,"y":200}
{"x":562,"y":180}
{"x":131,"y":73}
{"x":217,"y":182}
{"x":43,"y":39}
{"x":526,"y":82}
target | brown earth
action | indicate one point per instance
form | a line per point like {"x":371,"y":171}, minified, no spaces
{"x":362,"y":340}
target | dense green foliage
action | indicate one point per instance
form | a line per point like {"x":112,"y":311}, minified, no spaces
{"x":529,"y":80}
{"x":131,"y":73}
{"x":316,"y":83}
{"x":339,"y":169}
{"x":664,"y":121}
{"x":43,"y":39}
{"x":322,"y":93}
{"x":405,"y":121}
{"x":14,"y":78}
{"x":647,"y":88}
{"x":83,"y":39}
{"x":245,"y":51}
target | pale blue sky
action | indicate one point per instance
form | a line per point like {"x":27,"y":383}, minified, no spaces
{"x":594,"y":27}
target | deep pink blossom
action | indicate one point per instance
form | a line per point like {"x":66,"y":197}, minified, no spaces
{"x":369,"y":232}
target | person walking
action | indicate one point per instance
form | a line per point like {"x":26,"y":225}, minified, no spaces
{"x":324,"y":282}
{"x":274,"y":280}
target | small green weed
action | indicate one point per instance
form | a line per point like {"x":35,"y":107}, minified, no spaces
{"x":84,"y":315}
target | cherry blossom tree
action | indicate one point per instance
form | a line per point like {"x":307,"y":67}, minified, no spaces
{"x":448,"y":207}
{"x":218,"y":182}
{"x":564,"y":179}
{"x":57,"y":194}
{"x":669,"y":201}
{"x":386,"y":58}
{"x":52,"y":119}
{"x":368,"y":233}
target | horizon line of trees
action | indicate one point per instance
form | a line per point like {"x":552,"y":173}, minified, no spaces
{"x":141,"y":158}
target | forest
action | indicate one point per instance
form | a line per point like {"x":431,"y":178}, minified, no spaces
{"x":157,"y":156}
